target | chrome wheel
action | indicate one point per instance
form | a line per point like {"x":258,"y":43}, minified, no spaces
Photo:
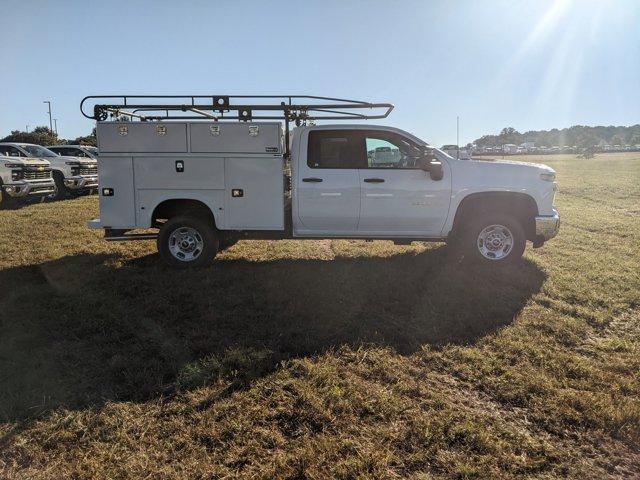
{"x":185,"y":244}
{"x":495,"y":242}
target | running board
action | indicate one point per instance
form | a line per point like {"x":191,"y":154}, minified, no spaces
{"x":131,"y":236}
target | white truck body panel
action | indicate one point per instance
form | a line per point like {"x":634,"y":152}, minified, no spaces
{"x":139,"y":168}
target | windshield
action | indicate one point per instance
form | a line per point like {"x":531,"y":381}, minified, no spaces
{"x":38,"y":151}
{"x":92,"y":150}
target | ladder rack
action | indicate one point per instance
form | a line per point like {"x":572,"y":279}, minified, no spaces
{"x":296,"y":108}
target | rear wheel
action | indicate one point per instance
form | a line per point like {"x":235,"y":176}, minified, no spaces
{"x":493,"y":239}
{"x":185,"y":242}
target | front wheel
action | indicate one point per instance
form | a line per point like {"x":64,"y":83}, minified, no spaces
{"x":185,"y":242}
{"x":493,"y":239}
{"x":5,"y":200}
{"x":61,"y":192}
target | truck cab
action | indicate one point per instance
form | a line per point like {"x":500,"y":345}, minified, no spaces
{"x":72,"y":175}
{"x":204,"y":184}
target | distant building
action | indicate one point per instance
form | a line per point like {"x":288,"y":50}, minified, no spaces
{"x":510,"y":148}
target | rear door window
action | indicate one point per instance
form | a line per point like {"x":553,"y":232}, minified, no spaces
{"x":336,"y":149}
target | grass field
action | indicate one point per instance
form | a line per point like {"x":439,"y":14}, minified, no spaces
{"x":325,"y":359}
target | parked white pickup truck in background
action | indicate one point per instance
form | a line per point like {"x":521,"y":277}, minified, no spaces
{"x":72,"y":175}
{"x":204,"y":184}
{"x":81,"y":151}
{"x":23,"y":178}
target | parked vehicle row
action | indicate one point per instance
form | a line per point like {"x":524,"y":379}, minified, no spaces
{"x":29,"y":171}
{"x":528,"y":148}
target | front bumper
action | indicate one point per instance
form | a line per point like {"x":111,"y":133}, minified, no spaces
{"x":26,"y":189}
{"x":547,"y":226}
{"x":80,"y":182}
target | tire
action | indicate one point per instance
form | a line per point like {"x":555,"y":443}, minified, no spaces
{"x":200,"y":239}
{"x":61,"y":192}
{"x":493,"y":239}
{"x":5,"y":200}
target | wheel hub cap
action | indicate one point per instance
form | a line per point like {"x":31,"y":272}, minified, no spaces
{"x":495,"y":242}
{"x":186,"y":244}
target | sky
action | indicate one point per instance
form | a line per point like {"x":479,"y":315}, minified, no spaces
{"x":526,"y":64}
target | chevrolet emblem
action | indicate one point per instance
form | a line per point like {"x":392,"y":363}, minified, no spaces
{"x":40,"y":169}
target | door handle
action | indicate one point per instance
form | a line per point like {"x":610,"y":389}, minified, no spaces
{"x":374,"y":180}
{"x":312,"y":179}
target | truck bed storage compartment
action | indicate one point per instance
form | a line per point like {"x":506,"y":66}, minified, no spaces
{"x":179,"y":172}
{"x":226,"y":137}
{"x":136,"y":137}
{"x":255,"y":193}
{"x":116,"y":177}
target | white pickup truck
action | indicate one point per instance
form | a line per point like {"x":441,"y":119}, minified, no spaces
{"x":72,"y":175}
{"x":23,"y":178}
{"x":204,"y":184}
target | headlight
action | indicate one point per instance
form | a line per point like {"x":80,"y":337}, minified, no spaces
{"x":17,"y":173}
{"x":75,"y":168}
{"x":548,"y":177}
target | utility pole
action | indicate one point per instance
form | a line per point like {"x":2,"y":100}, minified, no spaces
{"x":458,"y":137}
{"x":50,"y":119}
{"x":55,"y":125}
{"x":27,"y":128}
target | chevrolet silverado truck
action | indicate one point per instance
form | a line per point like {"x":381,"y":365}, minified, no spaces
{"x":23,"y":178}
{"x":201,"y":183}
{"x":72,"y":175}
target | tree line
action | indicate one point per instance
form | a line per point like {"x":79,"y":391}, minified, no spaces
{"x":578,"y":135}
{"x":44,"y":136}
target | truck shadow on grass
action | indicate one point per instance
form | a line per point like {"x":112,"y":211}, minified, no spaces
{"x":81,"y":330}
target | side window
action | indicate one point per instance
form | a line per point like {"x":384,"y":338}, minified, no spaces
{"x":55,"y":150}
{"x":76,"y":152}
{"x":10,"y":151}
{"x":336,"y":149}
{"x":387,"y":150}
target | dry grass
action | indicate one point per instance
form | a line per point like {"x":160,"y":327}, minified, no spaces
{"x":317,"y":359}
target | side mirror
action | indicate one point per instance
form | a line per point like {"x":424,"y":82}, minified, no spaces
{"x":436,"y":171}
{"x":424,"y":162}
{"x":429,"y":163}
